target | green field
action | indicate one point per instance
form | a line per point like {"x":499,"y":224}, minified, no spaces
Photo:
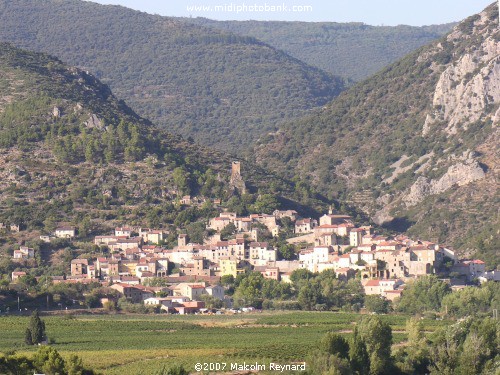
{"x":141,"y":344}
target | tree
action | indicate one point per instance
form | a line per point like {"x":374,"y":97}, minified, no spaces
{"x":227,"y":280}
{"x":92,"y":300}
{"x":27,"y":282}
{"x":249,"y":290}
{"x":471,"y":360}
{"x":472,"y":300}
{"x":376,"y":304}
{"x":444,"y":354}
{"x":74,"y":366}
{"x":16,"y":364}
{"x":28,"y":340}
{"x":85,"y":226}
{"x":35,"y":333}
{"x":181,"y":180}
{"x":90,"y":151}
{"x":49,"y":361}
{"x":211,"y":302}
{"x":300,"y":275}
{"x":196,"y":232}
{"x":227,"y":231}
{"x":358,"y":354}
{"x":414,"y":357}
{"x":423,"y":294}
{"x":172,"y":371}
{"x":156,"y":281}
{"x":275,"y":290}
{"x":310,"y":295}
{"x":50,"y":224}
{"x":287,"y":252}
{"x":377,"y":336}
{"x":323,"y":363}
{"x":265,"y":203}
{"x":470,"y":346}
{"x":335,"y":344}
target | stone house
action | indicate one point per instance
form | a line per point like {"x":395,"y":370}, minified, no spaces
{"x":193,"y":291}
{"x":219,"y":223}
{"x":305,"y":225}
{"x":243,"y":224}
{"x":79,"y":267}
{"x":127,"y":243}
{"x":200,"y":266}
{"x":17,"y":274}
{"x":271,"y":273}
{"x":312,"y":257}
{"x":65,"y":232}
{"x":135,"y":294}
{"x":228,"y":266}
{"x":151,"y":235}
{"x":389,"y":245}
{"x":24,"y":252}
{"x":291,"y":214}
{"x":355,"y":237}
{"x":123,"y":232}
{"x":105,"y":240}
{"x":215,"y":291}
{"x":379,"y":287}
{"x":331,"y":219}
{"x":327,"y":239}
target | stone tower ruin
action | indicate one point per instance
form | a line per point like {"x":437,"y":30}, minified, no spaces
{"x":236,"y":182}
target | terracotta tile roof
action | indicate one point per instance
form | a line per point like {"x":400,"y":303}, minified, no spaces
{"x":388,"y":243}
{"x":258,"y":244}
{"x":196,"y":286}
{"x":303,"y":221}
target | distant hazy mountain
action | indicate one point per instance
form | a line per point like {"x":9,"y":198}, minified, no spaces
{"x":417,"y":145}
{"x":222,"y":89}
{"x":351,"y":50}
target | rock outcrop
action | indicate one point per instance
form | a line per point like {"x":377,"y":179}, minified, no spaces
{"x":458,"y":174}
{"x":94,"y":122}
{"x":465,"y":89}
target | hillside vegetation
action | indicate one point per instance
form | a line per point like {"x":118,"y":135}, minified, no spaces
{"x":415,"y":146}
{"x":353,"y":51}
{"x":222,"y":89}
{"x":72,"y":152}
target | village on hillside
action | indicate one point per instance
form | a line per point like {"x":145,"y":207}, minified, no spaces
{"x":137,"y":265}
{"x":135,"y":257}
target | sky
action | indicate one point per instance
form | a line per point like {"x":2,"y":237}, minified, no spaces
{"x":372,"y":12}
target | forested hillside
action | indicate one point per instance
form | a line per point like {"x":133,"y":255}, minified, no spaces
{"x":415,"y":146}
{"x":223,"y":90}
{"x":72,"y":152}
{"x":353,"y":51}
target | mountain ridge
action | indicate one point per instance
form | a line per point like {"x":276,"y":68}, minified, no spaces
{"x":70,"y":150}
{"x":352,"y":50}
{"x":415,"y":146}
{"x":221,"y":89}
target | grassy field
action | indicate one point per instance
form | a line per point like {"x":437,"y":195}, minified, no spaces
{"x":141,"y":344}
